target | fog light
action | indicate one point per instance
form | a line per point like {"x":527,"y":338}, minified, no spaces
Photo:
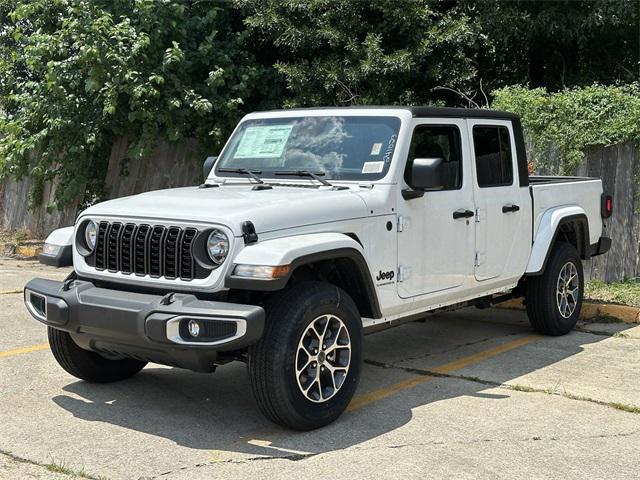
{"x":194,"y":328}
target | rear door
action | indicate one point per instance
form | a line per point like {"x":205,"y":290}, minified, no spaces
{"x":502,"y":206}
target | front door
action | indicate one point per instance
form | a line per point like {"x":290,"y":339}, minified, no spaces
{"x":436,"y":231}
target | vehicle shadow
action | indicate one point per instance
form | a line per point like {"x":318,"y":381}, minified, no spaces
{"x":217,"y":412}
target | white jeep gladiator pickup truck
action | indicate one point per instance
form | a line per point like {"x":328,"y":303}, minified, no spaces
{"x":314,"y":227}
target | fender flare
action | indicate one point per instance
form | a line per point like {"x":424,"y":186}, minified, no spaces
{"x":299,"y":250}
{"x":550,"y":225}
{"x":58,"y":248}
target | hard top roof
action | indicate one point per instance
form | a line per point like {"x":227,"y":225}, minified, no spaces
{"x":423,"y":111}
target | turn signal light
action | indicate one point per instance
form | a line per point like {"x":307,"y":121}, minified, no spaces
{"x":261,"y":271}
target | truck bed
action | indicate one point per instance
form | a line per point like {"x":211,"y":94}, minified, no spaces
{"x":550,"y":192}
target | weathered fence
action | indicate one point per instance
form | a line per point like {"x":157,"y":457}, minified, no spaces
{"x":168,"y":166}
{"x":619,"y":168}
{"x":176,"y":166}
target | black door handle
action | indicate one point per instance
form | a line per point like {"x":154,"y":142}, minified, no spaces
{"x":510,"y":208}
{"x":462,"y":214}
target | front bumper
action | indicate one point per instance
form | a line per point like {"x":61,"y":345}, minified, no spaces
{"x":143,"y":326}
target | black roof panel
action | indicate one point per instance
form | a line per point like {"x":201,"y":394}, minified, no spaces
{"x":420,"y":112}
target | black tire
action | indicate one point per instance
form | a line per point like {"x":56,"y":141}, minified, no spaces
{"x":272,"y":361}
{"x":542,"y":301}
{"x":87,"y":365}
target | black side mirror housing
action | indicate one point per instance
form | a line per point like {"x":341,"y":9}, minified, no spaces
{"x":208,"y":165}
{"x":426,"y":175}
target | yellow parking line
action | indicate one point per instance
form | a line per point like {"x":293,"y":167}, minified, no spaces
{"x":9,"y":292}
{"x":365,"y":399}
{"x":20,"y":351}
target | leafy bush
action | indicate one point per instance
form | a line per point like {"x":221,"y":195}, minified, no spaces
{"x":76,"y":74}
{"x":571,"y":121}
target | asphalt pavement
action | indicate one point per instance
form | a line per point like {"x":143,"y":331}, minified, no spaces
{"x":467,"y":394}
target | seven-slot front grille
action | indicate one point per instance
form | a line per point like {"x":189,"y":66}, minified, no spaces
{"x":153,"y":250}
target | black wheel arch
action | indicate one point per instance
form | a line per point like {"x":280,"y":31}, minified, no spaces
{"x":343,"y":267}
{"x":574,"y":230}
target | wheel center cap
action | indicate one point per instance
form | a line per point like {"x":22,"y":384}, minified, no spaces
{"x":321,"y":357}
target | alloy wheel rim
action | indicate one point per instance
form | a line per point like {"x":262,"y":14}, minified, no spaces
{"x":567,"y":289}
{"x":323,"y":358}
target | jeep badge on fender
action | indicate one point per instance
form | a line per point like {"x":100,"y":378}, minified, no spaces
{"x":385,"y":275}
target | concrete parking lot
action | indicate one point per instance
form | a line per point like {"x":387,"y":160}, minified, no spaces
{"x":467,"y":394}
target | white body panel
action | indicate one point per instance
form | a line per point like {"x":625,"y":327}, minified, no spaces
{"x":584,"y":194}
{"x":434,"y":256}
{"x":436,"y":251}
{"x":283,"y":251}
{"x":61,"y":237}
{"x":502,"y":239}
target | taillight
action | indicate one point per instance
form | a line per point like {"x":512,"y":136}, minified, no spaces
{"x":606,"y":209}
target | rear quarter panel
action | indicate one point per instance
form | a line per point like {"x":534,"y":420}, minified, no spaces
{"x":584,"y":193}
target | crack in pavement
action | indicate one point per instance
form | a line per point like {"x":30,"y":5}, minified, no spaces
{"x":513,"y":387}
{"x":52,"y":467}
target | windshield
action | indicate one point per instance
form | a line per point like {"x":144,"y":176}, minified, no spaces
{"x":338,"y":148}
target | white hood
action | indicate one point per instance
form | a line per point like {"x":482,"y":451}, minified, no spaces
{"x":230,"y":205}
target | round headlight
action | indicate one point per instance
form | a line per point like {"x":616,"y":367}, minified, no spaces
{"x":90,"y":234}
{"x":217,"y":246}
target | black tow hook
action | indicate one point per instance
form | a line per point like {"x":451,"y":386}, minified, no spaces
{"x":67,"y":282}
{"x":168,"y":299}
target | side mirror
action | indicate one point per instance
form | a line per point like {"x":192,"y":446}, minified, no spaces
{"x":426,"y":174}
{"x":208,"y":165}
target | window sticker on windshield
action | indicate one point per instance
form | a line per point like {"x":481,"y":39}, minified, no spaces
{"x":375,"y":149}
{"x":263,"y":142}
{"x":372,"y":167}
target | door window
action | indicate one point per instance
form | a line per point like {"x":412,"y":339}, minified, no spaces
{"x":494,"y":162}
{"x":431,"y":141}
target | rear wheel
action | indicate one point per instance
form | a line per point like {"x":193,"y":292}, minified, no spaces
{"x":87,"y":365}
{"x":305,"y":369}
{"x":554,"y":299}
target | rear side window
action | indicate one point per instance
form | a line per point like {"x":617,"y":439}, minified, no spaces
{"x":494,"y":161}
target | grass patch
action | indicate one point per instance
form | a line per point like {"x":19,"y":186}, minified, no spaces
{"x":14,"y":236}
{"x":521,"y":388}
{"x":624,"y":293}
{"x":59,"y":468}
{"x":624,"y":407}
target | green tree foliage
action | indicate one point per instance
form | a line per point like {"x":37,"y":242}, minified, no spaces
{"x":76,"y":74}
{"x":573,"y":120}
{"x":556,"y":43}
{"x":336,"y":52}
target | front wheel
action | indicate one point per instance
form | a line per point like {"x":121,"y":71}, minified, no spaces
{"x":89,"y":366}
{"x":306,"y":368}
{"x":554,"y":299}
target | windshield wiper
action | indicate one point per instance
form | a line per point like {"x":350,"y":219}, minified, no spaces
{"x":305,"y":173}
{"x":244,"y":171}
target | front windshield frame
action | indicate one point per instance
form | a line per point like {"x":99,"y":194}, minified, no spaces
{"x":387,"y":150}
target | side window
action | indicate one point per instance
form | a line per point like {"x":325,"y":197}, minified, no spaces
{"x":494,"y":162}
{"x":431,"y":141}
